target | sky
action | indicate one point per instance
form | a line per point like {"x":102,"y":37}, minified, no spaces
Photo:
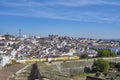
{"x":75,"y":18}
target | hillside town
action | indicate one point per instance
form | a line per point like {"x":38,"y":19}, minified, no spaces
{"x":29,"y":47}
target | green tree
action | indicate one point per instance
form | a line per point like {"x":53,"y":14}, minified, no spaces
{"x":105,"y":53}
{"x":112,"y":54}
{"x":100,"y":65}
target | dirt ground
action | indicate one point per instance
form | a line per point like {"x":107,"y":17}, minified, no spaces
{"x":6,"y":72}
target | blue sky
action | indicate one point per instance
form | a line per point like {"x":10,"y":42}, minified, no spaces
{"x":76,"y":18}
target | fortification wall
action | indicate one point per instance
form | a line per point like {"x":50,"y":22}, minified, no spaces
{"x":80,"y":66}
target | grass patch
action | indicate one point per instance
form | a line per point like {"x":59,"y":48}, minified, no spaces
{"x":82,"y":76}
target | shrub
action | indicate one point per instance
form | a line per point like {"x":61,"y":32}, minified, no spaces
{"x":105,"y":74}
{"x":100,"y":65}
{"x":105,"y":53}
{"x":84,"y":56}
{"x":112,"y":64}
{"x":117,"y":66}
{"x":119,"y":69}
{"x":97,"y":74}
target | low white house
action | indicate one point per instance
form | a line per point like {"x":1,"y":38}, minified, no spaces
{"x":13,"y":53}
{"x":2,"y":38}
{"x":5,"y":60}
{"x":67,"y":54}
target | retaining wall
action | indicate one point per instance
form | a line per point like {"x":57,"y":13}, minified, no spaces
{"x":80,"y":66}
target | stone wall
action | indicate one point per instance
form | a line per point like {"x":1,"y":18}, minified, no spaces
{"x":48,"y":72}
{"x":80,"y":66}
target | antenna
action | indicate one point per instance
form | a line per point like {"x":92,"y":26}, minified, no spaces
{"x":19,"y":32}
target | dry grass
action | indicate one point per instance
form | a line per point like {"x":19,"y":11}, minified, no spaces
{"x":82,"y":76}
{"x":6,"y":72}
